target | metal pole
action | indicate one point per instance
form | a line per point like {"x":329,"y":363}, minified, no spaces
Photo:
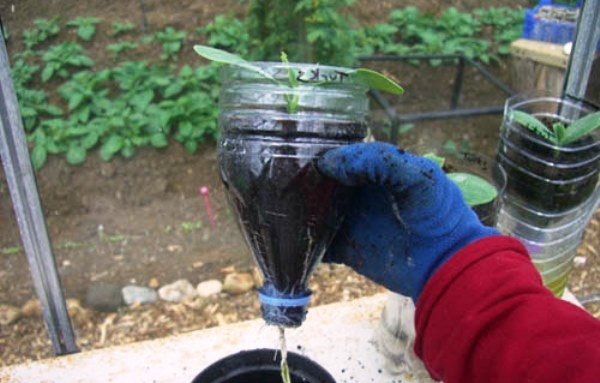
{"x":458,"y":82}
{"x":144,"y":18}
{"x":584,"y":48}
{"x":30,"y":218}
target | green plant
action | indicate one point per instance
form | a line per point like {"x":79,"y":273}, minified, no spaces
{"x":82,"y":90}
{"x":189,"y":227}
{"x":560,"y":133}
{"x":116,"y":49}
{"x":171,"y":41}
{"x":86,"y":26}
{"x":475,"y":190}
{"x":56,"y":136}
{"x":5,"y":32}
{"x":44,"y":29}
{"x":59,"y":57}
{"x":10,"y":250}
{"x":370,"y":78}
{"x":409,"y":31}
{"x":507,"y":25}
{"x":310,"y":31}
{"x":226,"y":32}
{"x":119,"y":28}
{"x":33,"y":103}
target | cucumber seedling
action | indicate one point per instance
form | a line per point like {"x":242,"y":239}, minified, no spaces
{"x":370,"y":78}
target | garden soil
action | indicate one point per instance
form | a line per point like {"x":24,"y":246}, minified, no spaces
{"x":143,"y":221}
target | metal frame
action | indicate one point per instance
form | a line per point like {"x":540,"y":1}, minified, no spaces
{"x":584,"y":48}
{"x":30,"y":217}
{"x":454,"y":111}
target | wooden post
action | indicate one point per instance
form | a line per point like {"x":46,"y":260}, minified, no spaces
{"x":537,"y":65}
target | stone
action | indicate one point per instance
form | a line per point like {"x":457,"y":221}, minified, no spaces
{"x":579,"y":261}
{"x":76,"y":311}
{"x":238,"y":283}
{"x":257,"y":276}
{"x":138,"y":294}
{"x":211,"y":287}
{"x":32,"y":308}
{"x":9,"y":314}
{"x":104,"y":297}
{"x":177,"y":291}
{"x":153,"y":283}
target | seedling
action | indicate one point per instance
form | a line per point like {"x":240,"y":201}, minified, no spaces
{"x":476,"y":191}
{"x":561,"y":134}
{"x":171,"y":41}
{"x":368,"y":77}
{"x":119,"y":28}
{"x":117,"y":48}
{"x":86,"y":26}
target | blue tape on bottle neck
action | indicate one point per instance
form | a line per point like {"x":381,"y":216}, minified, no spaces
{"x":283,"y":301}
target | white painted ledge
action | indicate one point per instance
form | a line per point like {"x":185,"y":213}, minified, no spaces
{"x":340,"y":337}
{"x":337,"y":336}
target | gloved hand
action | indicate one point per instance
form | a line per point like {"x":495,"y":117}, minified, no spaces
{"x":405,"y":219}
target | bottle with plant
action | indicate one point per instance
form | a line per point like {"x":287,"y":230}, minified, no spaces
{"x":550,"y":149}
{"x":276,"y":119}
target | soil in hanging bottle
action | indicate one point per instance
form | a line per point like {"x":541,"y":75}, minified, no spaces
{"x":287,"y":210}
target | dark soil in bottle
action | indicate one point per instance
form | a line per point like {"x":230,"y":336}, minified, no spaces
{"x":288,"y":211}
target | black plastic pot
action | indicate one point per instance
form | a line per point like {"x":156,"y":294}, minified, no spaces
{"x":262,"y":366}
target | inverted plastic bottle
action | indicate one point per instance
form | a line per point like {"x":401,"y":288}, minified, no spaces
{"x":287,"y":210}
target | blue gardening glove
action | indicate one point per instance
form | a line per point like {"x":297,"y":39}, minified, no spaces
{"x":405,"y":219}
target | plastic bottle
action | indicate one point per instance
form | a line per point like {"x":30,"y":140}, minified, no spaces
{"x":271,"y":135}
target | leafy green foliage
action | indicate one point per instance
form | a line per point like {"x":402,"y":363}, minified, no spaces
{"x":58,"y":58}
{"x":33,"y":103}
{"x":171,"y":41}
{"x":44,"y":29}
{"x":86,"y":26}
{"x":475,"y":190}
{"x":310,"y":31}
{"x":227,"y":32}
{"x":134,"y":103}
{"x":119,"y":28}
{"x":506,"y":24}
{"x":561,"y":134}
{"x":409,"y":31}
{"x":114,"y":50}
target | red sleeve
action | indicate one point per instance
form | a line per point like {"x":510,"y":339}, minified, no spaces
{"x":484,"y":316}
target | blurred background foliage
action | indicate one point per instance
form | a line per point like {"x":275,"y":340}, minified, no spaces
{"x":71,"y":104}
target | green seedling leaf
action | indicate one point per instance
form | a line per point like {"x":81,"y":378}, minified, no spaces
{"x":559,"y":130}
{"x":292,"y":100}
{"x":580,"y":128}
{"x":224,"y":57}
{"x":38,"y":156}
{"x":76,"y":155}
{"x":475,"y":190}
{"x":111,"y":147}
{"x":376,"y":80}
{"x":291,"y":73}
{"x":533,"y":124}
{"x":435,"y":158}
{"x":159,"y":140}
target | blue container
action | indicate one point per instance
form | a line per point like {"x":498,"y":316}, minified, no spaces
{"x":551,"y":31}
